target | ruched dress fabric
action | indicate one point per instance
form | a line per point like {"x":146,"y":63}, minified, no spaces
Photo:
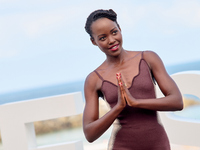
{"x":135,"y":128}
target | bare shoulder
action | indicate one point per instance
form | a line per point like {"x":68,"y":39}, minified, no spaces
{"x":91,"y":78}
{"x":91,"y":81}
{"x":152,"y":58}
{"x":150,"y":55}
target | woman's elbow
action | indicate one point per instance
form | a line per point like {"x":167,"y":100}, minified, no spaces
{"x":89,"y":136}
{"x":90,"y":139}
{"x":179,"y":103}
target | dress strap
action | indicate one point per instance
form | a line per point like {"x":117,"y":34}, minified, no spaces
{"x":142,"y":54}
{"x":99,"y":75}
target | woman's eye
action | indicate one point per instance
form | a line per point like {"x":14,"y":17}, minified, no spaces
{"x":115,"y":32}
{"x":102,"y":38}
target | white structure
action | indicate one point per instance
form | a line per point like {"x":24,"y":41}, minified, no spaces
{"x":17,"y":128}
{"x":16,"y":121}
{"x":183,"y":131}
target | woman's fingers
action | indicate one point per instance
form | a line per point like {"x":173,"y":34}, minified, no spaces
{"x":125,"y":94}
{"x":120,"y":85}
{"x":121,"y":82}
{"x":121,"y":94}
{"x":118,"y":76}
{"x":119,"y":79}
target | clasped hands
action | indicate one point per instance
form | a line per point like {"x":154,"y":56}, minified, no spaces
{"x":124,"y":96}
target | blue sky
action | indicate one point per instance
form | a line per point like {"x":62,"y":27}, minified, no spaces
{"x":43,"y":42}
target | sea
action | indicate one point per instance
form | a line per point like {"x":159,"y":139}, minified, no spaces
{"x":192,"y":112}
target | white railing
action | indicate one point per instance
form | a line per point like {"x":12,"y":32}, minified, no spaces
{"x":17,"y":121}
{"x":183,"y":131}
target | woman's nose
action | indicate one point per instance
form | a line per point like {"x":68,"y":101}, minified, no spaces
{"x":111,"y":40}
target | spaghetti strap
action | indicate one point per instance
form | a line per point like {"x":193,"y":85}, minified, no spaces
{"x":99,"y":75}
{"x":142,"y":54}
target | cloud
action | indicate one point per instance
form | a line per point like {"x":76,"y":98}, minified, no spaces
{"x":131,"y":14}
{"x":185,"y":12}
{"x":37,"y":24}
{"x":167,"y":17}
{"x":38,"y":21}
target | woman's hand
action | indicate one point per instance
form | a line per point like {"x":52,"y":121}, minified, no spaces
{"x":124,"y":95}
{"x":121,"y":93}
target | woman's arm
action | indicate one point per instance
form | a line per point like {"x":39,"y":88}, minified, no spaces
{"x":94,"y":126}
{"x":172,"y":100}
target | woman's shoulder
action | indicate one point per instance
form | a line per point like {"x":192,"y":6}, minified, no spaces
{"x":92,"y":76}
{"x":149,"y":55}
{"x":93,"y":79}
{"x":152,"y":58}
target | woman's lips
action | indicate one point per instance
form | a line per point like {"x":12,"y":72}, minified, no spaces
{"x":114,"y":47}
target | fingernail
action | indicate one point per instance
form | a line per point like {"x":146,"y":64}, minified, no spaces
{"x":118,"y":74}
{"x":118,"y":77}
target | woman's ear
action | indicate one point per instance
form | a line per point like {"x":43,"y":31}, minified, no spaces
{"x":93,"y":42}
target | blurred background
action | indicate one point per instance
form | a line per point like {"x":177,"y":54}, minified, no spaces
{"x":44,"y":44}
{"x":44,"y":49}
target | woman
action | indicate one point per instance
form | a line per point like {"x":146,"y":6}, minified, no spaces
{"x":131,"y":96}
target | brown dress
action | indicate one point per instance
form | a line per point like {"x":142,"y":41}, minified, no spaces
{"x":135,"y":128}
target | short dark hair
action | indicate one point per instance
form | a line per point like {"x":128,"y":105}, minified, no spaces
{"x":97,"y":14}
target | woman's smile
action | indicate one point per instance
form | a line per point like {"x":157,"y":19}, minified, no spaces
{"x":114,"y":47}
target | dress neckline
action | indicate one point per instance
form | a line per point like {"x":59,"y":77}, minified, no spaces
{"x":103,"y":80}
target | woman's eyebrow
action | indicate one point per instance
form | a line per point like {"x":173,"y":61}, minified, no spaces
{"x":101,"y":35}
{"x":105,"y":34}
{"x":113,"y":29}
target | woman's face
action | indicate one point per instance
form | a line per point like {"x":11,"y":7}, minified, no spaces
{"x":107,"y":36}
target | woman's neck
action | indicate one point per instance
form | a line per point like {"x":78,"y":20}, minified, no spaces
{"x":117,"y":60}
